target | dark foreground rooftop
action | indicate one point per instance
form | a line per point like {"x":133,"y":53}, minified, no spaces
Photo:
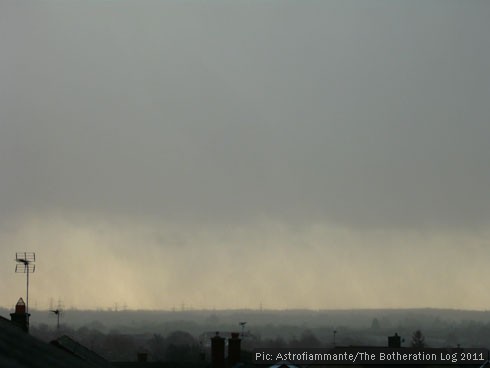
{"x":18,"y":349}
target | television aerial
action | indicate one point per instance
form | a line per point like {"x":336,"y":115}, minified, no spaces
{"x":58,"y":313}
{"x":25,"y":264}
{"x":242,"y":324}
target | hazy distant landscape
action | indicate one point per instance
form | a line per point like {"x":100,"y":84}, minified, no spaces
{"x":119,"y":335}
{"x":198,"y":321}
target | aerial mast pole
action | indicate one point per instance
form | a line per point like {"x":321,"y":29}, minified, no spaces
{"x":25,"y":264}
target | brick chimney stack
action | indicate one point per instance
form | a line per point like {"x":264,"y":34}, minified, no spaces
{"x":394,"y":341}
{"x":234,"y":349}
{"x":20,"y":317}
{"x":218,"y":351}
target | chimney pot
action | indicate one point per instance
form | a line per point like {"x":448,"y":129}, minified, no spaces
{"x":20,"y":307}
{"x":20,"y":317}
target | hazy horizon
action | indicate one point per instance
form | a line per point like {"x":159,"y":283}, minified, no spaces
{"x":314,"y":154}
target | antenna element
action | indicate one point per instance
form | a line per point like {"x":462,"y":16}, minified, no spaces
{"x":25,"y":264}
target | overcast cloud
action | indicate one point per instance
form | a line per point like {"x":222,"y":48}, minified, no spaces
{"x":334,"y":131}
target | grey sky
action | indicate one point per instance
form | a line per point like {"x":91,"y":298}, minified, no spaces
{"x":201,"y":117}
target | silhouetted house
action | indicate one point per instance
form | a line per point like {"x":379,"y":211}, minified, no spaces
{"x":394,"y":341}
{"x":18,"y":349}
{"x":283,"y":364}
{"x":76,"y":349}
{"x":159,"y":365}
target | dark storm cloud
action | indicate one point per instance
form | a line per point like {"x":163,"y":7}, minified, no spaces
{"x":361,"y":113}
